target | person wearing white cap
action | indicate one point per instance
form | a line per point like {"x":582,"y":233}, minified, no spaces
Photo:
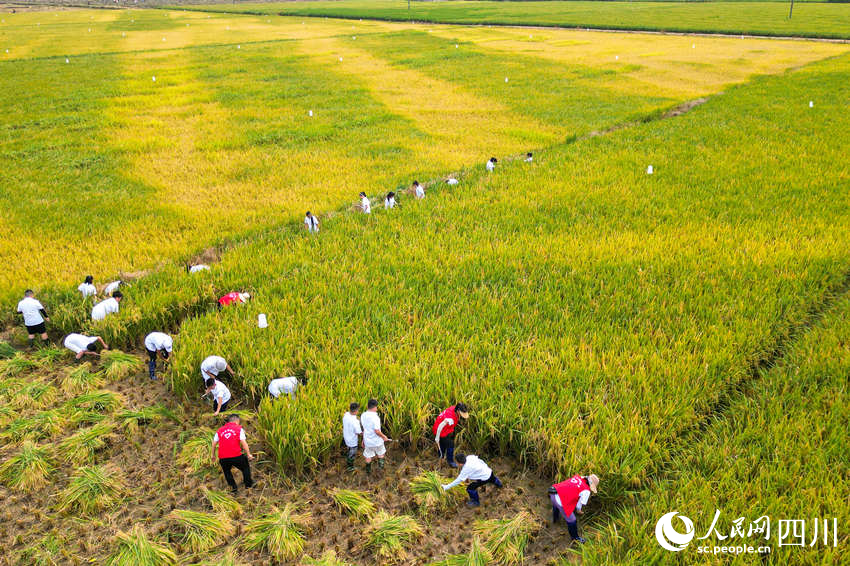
{"x":212,"y":366}
{"x":568,"y":499}
{"x":311,"y":223}
{"x":157,"y":343}
{"x":233,"y":298}
{"x":491,"y":164}
{"x":286,"y":385}
{"x":83,"y":345}
{"x":106,"y":306}
{"x":87,"y":287}
{"x":365,"y":205}
{"x":418,"y":190}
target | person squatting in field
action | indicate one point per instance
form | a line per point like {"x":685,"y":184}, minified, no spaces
{"x":87,"y":288}
{"x":311,"y":223}
{"x":106,"y":306}
{"x":233,"y":452}
{"x":112,"y":287}
{"x":418,"y":190}
{"x":287,"y":385}
{"x":389,"y":201}
{"x":444,"y":431}
{"x":197,"y":268}
{"x":212,"y":366}
{"x":34,"y":316}
{"x":491,"y":164}
{"x":473,"y":468}
{"x":365,"y":205}
{"x":157,"y":343}
{"x":233,"y":298}
{"x":373,"y":438}
{"x":351,"y":429}
{"x":83,"y":345}
{"x":220,"y":394}
{"x":569,"y":497}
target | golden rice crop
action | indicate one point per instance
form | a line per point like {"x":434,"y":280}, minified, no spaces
{"x":92,"y":488}
{"x":506,"y":539}
{"x":221,"y":502}
{"x":82,"y":446}
{"x":428,"y":492}
{"x":134,"y":548}
{"x":353,"y":502}
{"x":195,"y":453}
{"x":478,"y":555}
{"x":203,"y":531}
{"x":29,"y":468}
{"x":329,"y":558}
{"x":389,"y":535}
{"x":119,"y":365}
{"x":279,"y":532}
{"x":81,"y":379}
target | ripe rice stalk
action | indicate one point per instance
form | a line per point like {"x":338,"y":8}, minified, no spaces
{"x":195,"y":453}
{"x":130,"y":420}
{"x":85,"y":417}
{"x":221,"y":502}
{"x":203,"y":531}
{"x":81,"y":447}
{"x":34,"y":395}
{"x":355,"y":503}
{"x":119,"y":365}
{"x":429,"y":494}
{"x":478,"y":555}
{"x":506,"y":539}
{"x":228,"y":558}
{"x":388,"y":535}
{"x":6,"y":351}
{"x":91,"y":489}
{"x":46,"y":357}
{"x":136,"y":549}
{"x":81,"y":379}
{"x":329,"y":558}
{"x":102,"y":401}
{"x":280,"y":532}
{"x":28,"y":469}
{"x":40,"y":426}
{"x":16,"y":365}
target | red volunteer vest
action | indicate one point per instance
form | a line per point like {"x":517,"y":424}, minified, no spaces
{"x":569,"y":491}
{"x":229,"y":299}
{"x":449,"y":428}
{"x":228,"y":441}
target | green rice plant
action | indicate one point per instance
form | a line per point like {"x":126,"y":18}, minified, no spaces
{"x":478,"y":555}
{"x":102,"y":401}
{"x":28,"y":469}
{"x":195,"y":453}
{"x":34,"y":395}
{"x":119,"y":365}
{"x":221,"y":502}
{"x":130,"y":419}
{"x":91,"y":489}
{"x":429,"y":494}
{"x":42,"y":425}
{"x":81,"y":447}
{"x":6,"y":351}
{"x":46,"y":357}
{"x":136,"y":549}
{"x":16,"y":365}
{"x":81,"y":379}
{"x":355,"y":503}
{"x":202,"y":531}
{"x":47,"y":551}
{"x":85,"y":417}
{"x":506,"y":539}
{"x":329,"y":558}
{"x":279,"y":532}
{"x":387,"y":535}
{"x":9,"y":387}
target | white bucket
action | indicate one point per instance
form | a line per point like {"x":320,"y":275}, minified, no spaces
{"x":261,"y":321}
{"x":649,"y":170}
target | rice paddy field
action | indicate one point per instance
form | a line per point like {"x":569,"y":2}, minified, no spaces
{"x":682,"y":334}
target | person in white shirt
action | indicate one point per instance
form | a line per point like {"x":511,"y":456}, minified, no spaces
{"x":212,"y":366}
{"x":110,"y":288}
{"x":157,"y":343}
{"x":87,"y":287}
{"x":474,"y":469}
{"x":365,"y":205}
{"x":418,"y":190}
{"x":106,"y":306}
{"x":83,"y":345}
{"x":491,"y":165}
{"x":350,"y":430}
{"x":220,"y":394}
{"x":373,"y":438}
{"x":34,"y":316}
{"x":389,"y":200}
{"x":528,"y":157}
{"x":311,"y":223}
{"x":197,"y":268}
{"x":451,"y":181}
{"x":282,"y":385}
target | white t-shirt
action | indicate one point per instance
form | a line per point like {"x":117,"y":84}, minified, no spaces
{"x":350,"y":429}
{"x":286,"y":385}
{"x":490,"y":166}
{"x":241,"y":436}
{"x":220,"y":390}
{"x":389,"y":202}
{"x":29,"y":307}
{"x":474,"y":469}
{"x":208,"y":365}
{"x":156,"y":341}
{"x":371,"y":422}
{"x":312,"y":223}
{"x":78,"y":342}
{"x":87,"y":289}
{"x":103,"y":308}
{"x":451,"y":181}
{"x":419,"y":191}
{"x":199,"y":267}
{"x":365,"y":205}
{"x":583,"y":498}
{"x":112,"y":287}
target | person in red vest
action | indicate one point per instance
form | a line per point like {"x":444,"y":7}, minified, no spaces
{"x":569,"y":497}
{"x":233,"y":298}
{"x":231,"y":442}
{"x":444,"y":431}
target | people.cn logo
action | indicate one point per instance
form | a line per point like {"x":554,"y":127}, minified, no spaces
{"x":671,"y":539}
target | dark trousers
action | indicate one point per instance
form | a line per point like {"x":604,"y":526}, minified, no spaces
{"x":472,"y":489}
{"x":447,"y":448}
{"x":240,"y":462}
{"x":152,"y":363}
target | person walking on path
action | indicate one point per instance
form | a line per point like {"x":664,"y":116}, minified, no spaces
{"x":83,"y":345}
{"x":351,"y":430}
{"x":157,"y":343}
{"x":474,"y":469}
{"x":569,"y":497}
{"x":212,"y":366}
{"x":444,"y":431}
{"x":311,"y":223}
{"x":418,"y":190}
{"x":233,"y":452}
{"x":233,"y":298}
{"x":220,"y":394}
{"x":491,"y":164}
{"x":389,"y":201}
{"x":34,"y":317}
{"x":106,"y":306}
{"x":87,"y":287}
{"x":365,"y":205}
{"x":373,"y":438}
